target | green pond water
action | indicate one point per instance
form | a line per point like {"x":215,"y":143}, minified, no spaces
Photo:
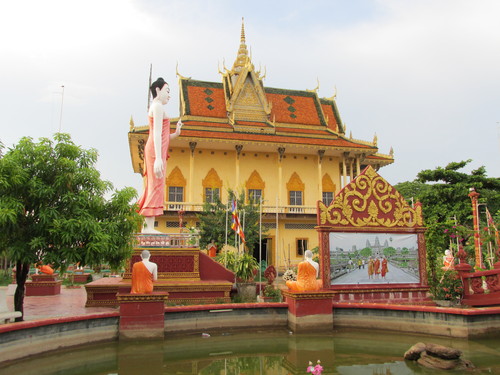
{"x":257,"y":352}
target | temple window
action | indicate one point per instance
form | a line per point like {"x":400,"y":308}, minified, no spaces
{"x":328,"y":188}
{"x":295,"y":198}
{"x":254,"y":195}
{"x":255,"y":187}
{"x":327,"y":197}
{"x":176,"y":184}
{"x":212,"y":185}
{"x":212,"y":194}
{"x":176,"y":194}
{"x":295,"y":188}
{"x":301,"y":246}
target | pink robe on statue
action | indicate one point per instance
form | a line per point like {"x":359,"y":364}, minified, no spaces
{"x":151,"y":201}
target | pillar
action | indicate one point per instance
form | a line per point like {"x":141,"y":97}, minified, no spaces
{"x":190,"y":187}
{"x":310,"y":311}
{"x":142,"y":316}
{"x":475,"y":215}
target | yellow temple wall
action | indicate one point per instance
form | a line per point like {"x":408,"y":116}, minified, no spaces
{"x":283,"y":247}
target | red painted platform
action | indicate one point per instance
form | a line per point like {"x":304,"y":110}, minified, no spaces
{"x":186,"y":274}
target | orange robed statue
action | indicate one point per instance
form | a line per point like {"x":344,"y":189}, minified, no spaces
{"x":43,"y":268}
{"x":307,"y":273}
{"x":143,"y":275}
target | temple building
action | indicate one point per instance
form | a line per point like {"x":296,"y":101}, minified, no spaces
{"x":286,"y":147}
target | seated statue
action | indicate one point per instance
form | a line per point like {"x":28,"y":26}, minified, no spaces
{"x":307,"y":273}
{"x":143,"y":275}
{"x":448,"y":260}
{"x":43,"y":268}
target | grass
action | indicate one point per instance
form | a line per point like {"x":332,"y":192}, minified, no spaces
{"x":5,"y":277}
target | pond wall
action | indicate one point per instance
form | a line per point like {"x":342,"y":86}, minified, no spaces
{"x":18,"y":340}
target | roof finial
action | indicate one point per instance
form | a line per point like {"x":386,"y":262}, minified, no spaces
{"x":242,"y":57}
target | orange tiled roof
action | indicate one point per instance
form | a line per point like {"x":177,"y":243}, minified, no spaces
{"x":204,"y":98}
{"x":270,"y":138}
{"x":295,"y":107}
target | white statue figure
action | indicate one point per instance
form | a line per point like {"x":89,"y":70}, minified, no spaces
{"x":156,"y":155}
{"x":144,"y":274}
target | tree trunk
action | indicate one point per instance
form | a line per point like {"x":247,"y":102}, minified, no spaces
{"x":22,"y":270}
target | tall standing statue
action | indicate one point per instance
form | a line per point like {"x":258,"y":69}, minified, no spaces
{"x":156,"y":155}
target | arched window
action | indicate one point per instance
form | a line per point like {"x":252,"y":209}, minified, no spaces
{"x":295,"y":188}
{"x":176,"y":186}
{"x":255,"y":187}
{"x":212,"y":185}
{"x":328,"y":189}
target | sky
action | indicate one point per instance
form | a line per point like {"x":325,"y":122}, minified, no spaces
{"x":424,"y":76}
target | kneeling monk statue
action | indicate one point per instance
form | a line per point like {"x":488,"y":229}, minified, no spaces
{"x":143,"y":275}
{"x":307,"y":273}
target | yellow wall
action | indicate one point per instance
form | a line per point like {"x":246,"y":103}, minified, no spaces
{"x":267,"y":165}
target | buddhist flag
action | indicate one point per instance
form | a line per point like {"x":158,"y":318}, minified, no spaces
{"x":492,"y":223}
{"x":236,"y":222}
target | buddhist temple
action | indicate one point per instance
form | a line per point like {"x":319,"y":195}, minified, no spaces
{"x":286,"y":147}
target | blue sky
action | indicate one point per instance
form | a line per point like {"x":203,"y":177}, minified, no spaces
{"x":423,"y":75}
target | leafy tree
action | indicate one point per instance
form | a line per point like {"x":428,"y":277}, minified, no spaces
{"x":389,"y":252}
{"x":443,"y":193}
{"x":213,"y":221}
{"x":53,"y":209}
{"x":366,"y":252}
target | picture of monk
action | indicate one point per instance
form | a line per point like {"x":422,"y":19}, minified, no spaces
{"x":376,"y":267}
{"x":384,"y":269}
{"x":370,"y":268}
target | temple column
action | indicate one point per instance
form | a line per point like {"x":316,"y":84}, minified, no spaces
{"x":281,"y":152}
{"x":237,"y":172}
{"x":351,"y":169}
{"x":344,"y":168}
{"x":321,"y":153}
{"x":358,"y":165}
{"x":190,"y":185}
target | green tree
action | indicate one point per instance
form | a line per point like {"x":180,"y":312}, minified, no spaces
{"x":443,"y":193}
{"x":389,"y":252}
{"x":53,"y":209}
{"x":213,"y":221}
{"x":366,"y":252}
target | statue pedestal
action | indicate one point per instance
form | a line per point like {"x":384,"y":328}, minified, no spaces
{"x":142,"y":315}
{"x":43,"y":285}
{"x":309,"y":311}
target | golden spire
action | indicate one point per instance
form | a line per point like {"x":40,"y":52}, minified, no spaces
{"x":132,"y":125}
{"x":242,"y":57}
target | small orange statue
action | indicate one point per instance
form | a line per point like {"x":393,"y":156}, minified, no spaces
{"x":448,"y":260}
{"x":143,"y":275}
{"x":43,"y":268}
{"x":307,"y":273}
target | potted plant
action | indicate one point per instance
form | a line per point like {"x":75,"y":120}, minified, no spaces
{"x":245,"y":268}
{"x":271,"y":294}
{"x":448,"y":291}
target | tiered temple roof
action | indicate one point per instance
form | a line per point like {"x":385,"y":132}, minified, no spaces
{"x":241,"y":110}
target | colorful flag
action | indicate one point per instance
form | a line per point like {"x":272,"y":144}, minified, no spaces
{"x":236,"y":222}
{"x":492,"y":223}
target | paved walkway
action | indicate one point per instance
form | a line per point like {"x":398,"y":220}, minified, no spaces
{"x":71,"y":302}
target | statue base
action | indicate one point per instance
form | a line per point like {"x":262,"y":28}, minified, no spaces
{"x":142,"y":316}
{"x":43,"y":285}
{"x":188,"y":275}
{"x":309,"y":311}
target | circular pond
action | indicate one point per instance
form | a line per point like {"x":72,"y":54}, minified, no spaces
{"x":257,"y":352}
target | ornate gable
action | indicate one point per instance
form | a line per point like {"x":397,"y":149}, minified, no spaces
{"x":369,"y":201}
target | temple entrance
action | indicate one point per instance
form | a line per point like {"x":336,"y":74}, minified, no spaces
{"x":266,"y":250}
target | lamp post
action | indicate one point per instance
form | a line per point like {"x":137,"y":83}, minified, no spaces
{"x":473,"y":195}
